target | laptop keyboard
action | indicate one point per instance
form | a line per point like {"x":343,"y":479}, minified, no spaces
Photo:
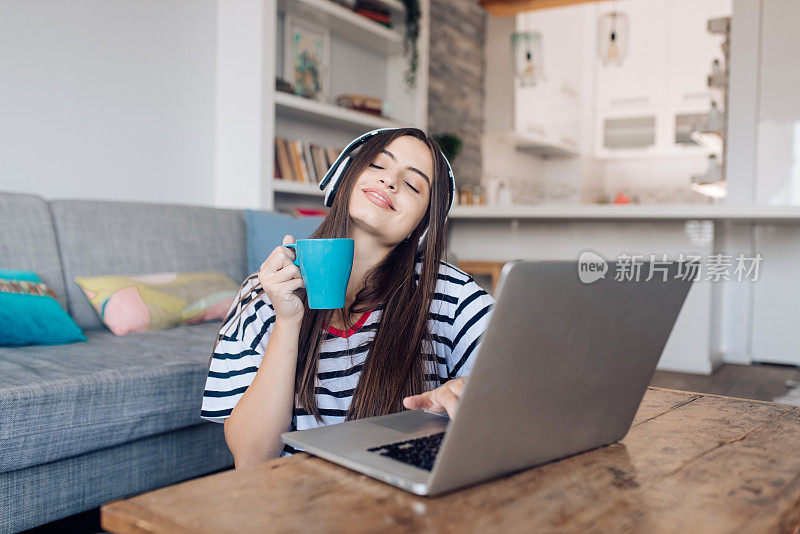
{"x":420,"y":452}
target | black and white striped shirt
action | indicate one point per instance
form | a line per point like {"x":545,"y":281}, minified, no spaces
{"x":459,"y":314}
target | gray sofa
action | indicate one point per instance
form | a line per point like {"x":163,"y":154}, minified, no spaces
{"x":86,"y":423}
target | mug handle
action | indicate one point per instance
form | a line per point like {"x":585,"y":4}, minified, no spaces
{"x":293,"y":246}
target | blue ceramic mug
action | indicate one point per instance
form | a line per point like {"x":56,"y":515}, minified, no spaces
{"x":325,"y":266}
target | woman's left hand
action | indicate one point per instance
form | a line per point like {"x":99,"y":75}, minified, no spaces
{"x":440,"y":400}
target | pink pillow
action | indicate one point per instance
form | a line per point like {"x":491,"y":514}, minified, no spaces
{"x":137,"y":303}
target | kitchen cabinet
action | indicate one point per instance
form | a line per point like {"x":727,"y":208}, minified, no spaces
{"x":550,"y":110}
{"x":639,"y":80}
{"x":664,"y":74}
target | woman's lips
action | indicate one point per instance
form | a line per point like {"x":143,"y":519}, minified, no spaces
{"x":377,"y":198}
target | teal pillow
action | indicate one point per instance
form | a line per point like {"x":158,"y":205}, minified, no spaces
{"x":30,"y":314}
{"x":265,"y":231}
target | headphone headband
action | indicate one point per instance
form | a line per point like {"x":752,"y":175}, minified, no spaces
{"x":343,"y":160}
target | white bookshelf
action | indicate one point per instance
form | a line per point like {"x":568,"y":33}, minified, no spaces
{"x":347,"y":24}
{"x":365,"y":58}
{"x":297,"y":188}
{"x":293,"y":106}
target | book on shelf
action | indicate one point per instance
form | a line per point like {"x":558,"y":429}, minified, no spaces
{"x":314,"y":163}
{"x":318,"y":157}
{"x":384,"y":20}
{"x":372,"y":5}
{"x":374,"y":11}
{"x":303,"y":164}
{"x":282,"y":159}
{"x":377,"y":17}
{"x":294,"y":165}
{"x":309,"y":212}
{"x":302,"y":161}
{"x":297,"y":161}
{"x":309,"y":162}
{"x":323,"y":157}
{"x":332,"y":153}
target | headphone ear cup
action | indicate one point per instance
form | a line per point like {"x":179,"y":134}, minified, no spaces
{"x":335,"y":181}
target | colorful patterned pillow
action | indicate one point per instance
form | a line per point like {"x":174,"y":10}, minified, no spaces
{"x":30,"y":313}
{"x":136,"y":303}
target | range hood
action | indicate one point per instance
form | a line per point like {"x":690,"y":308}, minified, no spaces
{"x":505,"y":8}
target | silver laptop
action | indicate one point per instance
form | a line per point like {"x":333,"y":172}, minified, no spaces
{"x":561,"y":369}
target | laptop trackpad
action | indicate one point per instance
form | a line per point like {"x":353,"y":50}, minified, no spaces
{"x":414,"y":421}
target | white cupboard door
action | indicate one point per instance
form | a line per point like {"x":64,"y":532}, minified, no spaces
{"x":533,"y":109}
{"x":775,"y":294}
{"x":640,"y":79}
{"x":551,"y":109}
{"x":629,"y":133}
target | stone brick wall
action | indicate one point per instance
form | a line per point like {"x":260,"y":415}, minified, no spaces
{"x":455,"y":92}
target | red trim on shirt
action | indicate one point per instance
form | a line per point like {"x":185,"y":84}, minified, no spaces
{"x":353,"y":329}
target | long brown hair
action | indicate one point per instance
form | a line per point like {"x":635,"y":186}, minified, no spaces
{"x":396,"y":363}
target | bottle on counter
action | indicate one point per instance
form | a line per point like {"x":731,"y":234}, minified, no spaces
{"x":492,"y":189}
{"x":478,"y":196}
{"x":504,"y":194}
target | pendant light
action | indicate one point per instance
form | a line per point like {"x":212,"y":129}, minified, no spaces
{"x":526,"y":46}
{"x":613,"y":37}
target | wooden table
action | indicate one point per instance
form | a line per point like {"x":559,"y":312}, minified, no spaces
{"x":690,"y":463}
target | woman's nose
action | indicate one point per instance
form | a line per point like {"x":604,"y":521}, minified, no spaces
{"x":388,"y":181}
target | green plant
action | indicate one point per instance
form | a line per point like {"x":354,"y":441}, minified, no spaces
{"x":450,"y":143}
{"x":413,"y":13}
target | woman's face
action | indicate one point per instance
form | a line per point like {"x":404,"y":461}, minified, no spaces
{"x":391,"y":196}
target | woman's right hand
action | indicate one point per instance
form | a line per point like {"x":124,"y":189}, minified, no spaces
{"x":281,"y":279}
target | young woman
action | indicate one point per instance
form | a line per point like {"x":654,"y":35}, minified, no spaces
{"x":405,"y":339}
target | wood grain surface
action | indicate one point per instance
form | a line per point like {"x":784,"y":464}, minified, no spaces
{"x":691,"y":462}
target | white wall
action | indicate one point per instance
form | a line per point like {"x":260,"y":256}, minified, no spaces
{"x":779,"y":106}
{"x":108,"y":99}
{"x":498,"y":103}
{"x":244,"y":82}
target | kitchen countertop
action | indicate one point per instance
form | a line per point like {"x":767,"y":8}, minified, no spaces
{"x":572,"y":212}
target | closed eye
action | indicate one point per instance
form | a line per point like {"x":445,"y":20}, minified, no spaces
{"x":407,"y":183}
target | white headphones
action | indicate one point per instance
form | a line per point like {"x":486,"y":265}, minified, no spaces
{"x":340,"y":165}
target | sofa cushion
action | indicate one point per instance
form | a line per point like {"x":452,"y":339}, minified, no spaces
{"x":138,"y":303}
{"x":30,"y":314}
{"x":265,"y":231}
{"x":60,"y":401}
{"x":28,"y":242}
{"x":97,"y":237}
